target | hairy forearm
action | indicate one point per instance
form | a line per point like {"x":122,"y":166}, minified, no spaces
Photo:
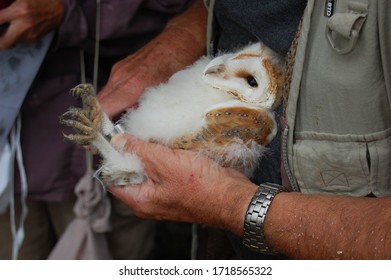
{"x":329,"y":227}
{"x":185,"y":186}
{"x":189,"y":31}
{"x":180,"y":44}
{"x":29,"y":21}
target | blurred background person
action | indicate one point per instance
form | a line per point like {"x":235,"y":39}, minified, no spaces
{"x":53,"y":165}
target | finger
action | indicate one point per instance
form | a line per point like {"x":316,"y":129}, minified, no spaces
{"x":120,"y":141}
{"x":153,"y":156}
{"x":8,"y":14}
{"x":124,"y":193}
{"x":128,"y":143}
{"x":10,"y":37}
{"x":114,"y":106}
{"x":134,"y":197}
{"x":116,"y":99}
{"x":16,"y":31}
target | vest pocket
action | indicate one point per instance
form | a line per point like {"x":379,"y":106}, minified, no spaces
{"x":332,"y":167}
{"x":348,"y":165}
{"x":380,"y":158}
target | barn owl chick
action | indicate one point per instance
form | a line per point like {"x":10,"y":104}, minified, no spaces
{"x":220,"y":107}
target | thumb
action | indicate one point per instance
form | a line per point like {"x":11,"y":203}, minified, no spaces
{"x":9,"y":13}
{"x":131,"y":144}
{"x":120,"y":140}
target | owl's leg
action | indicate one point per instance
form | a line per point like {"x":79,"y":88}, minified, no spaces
{"x":92,"y":126}
{"x":118,"y":168}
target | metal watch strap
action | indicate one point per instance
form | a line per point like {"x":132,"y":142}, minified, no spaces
{"x":253,"y":237}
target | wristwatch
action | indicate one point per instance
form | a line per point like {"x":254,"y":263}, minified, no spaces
{"x":253,"y":237}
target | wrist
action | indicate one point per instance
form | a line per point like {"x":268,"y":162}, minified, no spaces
{"x":254,"y":221}
{"x":185,"y":47}
{"x":234,"y":203}
{"x":190,"y":28}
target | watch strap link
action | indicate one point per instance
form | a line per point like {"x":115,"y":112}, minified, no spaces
{"x":253,"y":237}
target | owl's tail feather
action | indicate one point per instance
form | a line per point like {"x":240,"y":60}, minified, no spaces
{"x":242,"y":156}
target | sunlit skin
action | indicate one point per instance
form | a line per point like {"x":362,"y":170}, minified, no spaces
{"x":29,"y":20}
{"x":185,"y":187}
{"x":211,"y":107}
{"x":180,"y":44}
{"x":182,"y":187}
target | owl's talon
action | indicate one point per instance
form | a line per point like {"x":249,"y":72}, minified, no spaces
{"x":90,"y":103}
{"x":80,"y":127}
{"x":83,"y":116}
{"x":83,"y":125}
{"x":232,"y":127}
{"x":76,"y":114}
{"x":87,"y":121}
{"x":79,"y":139}
{"x":83,"y":90}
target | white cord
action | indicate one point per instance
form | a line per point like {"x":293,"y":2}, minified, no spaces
{"x":89,"y":157}
{"x":16,"y":150}
{"x":97,"y":41}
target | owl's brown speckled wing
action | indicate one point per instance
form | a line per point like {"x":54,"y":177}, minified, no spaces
{"x":230,"y":133}
{"x":226,"y":123}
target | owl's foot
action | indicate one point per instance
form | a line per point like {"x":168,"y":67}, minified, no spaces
{"x":92,"y":127}
{"x":87,"y":120}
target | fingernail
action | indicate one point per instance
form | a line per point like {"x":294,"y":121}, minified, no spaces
{"x":118,"y":142}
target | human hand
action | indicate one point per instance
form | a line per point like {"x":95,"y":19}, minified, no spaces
{"x":153,"y":64}
{"x":29,"y":20}
{"x":180,"y":44}
{"x":128,"y":79}
{"x":185,"y":186}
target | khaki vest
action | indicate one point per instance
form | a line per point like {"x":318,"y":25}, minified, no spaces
{"x":338,"y":113}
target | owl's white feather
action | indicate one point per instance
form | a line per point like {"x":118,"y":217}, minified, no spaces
{"x":247,"y":79}
{"x":175,"y":108}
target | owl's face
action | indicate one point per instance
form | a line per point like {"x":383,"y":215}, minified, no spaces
{"x":253,"y":75}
